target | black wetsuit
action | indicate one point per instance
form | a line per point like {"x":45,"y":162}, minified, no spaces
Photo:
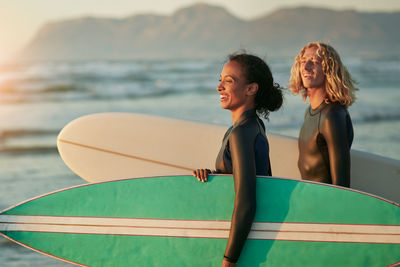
{"x":245,"y":154}
{"x":324,"y":144}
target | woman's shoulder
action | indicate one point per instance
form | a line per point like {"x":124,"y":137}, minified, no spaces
{"x":333,"y":110}
{"x":334,"y":115}
{"x":248,"y":129}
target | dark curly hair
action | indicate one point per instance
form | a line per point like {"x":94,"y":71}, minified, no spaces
{"x":269,"y":96}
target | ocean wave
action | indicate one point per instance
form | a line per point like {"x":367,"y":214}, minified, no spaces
{"x":37,"y":86}
{"x":8,"y":133}
{"x":22,"y":141}
{"x":136,"y":94}
{"x":382,"y":65}
{"x":34,"y":149}
{"x":136,"y":77}
{"x":107,"y":77}
{"x":4,"y":242}
{"x":106,"y":91}
{"x":62,"y":88}
{"x":379,"y":118}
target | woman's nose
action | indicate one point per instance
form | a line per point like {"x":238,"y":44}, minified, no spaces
{"x":308,"y":65}
{"x":219,"y":87}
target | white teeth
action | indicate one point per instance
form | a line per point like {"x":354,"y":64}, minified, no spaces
{"x":222,"y":97}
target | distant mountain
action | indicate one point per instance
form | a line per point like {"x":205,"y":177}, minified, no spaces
{"x":203,"y":30}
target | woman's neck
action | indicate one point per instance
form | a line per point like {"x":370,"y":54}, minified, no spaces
{"x":238,"y":112}
{"x":316,"y":96}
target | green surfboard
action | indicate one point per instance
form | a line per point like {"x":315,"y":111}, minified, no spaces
{"x":178,"y":221}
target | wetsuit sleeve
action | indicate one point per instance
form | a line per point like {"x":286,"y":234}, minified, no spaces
{"x":334,"y":130}
{"x":244,"y":174}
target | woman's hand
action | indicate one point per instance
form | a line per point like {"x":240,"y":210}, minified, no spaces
{"x":226,"y":263}
{"x":202,"y":174}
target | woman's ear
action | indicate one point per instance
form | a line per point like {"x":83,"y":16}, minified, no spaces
{"x":252,"y":89}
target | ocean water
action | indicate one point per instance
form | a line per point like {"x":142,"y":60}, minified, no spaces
{"x":38,"y":99}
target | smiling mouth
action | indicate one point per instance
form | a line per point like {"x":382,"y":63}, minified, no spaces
{"x":223,"y":97}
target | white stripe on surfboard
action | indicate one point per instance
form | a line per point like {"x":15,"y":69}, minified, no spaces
{"x":202,"y":229}
{"x":199,"y":224}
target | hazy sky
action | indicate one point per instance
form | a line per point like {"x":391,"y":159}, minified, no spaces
{"x":22,"y":18}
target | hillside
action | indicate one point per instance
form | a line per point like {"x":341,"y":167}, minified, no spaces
{"x":202,"y":30}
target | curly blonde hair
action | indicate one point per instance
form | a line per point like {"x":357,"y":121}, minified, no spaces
{"x":339,"y":85}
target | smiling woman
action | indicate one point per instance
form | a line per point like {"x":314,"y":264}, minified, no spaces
{"x":246,"y":88}
{"x":327,"y":132}
{"x":232,"y":95}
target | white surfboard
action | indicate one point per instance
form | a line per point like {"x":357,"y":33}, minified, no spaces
{"x":109,"y":146}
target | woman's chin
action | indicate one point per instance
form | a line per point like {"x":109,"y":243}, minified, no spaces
{"x":224,"y":106}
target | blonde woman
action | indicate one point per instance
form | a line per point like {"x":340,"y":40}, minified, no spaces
{"x":327,"y":132}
